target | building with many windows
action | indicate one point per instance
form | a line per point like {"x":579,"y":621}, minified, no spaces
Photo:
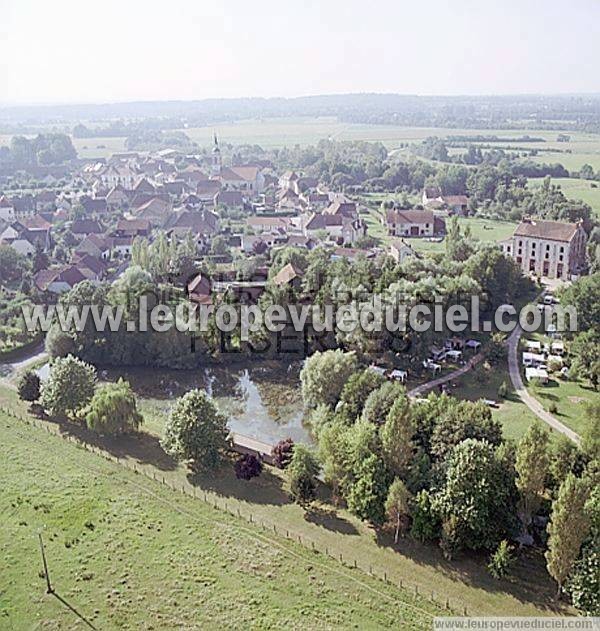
{"x":548,"y":248}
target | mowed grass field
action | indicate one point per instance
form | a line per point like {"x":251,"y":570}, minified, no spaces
{"x":127,"y":553}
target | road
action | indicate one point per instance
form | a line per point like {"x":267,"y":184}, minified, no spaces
{"x":531,"y":402}
{"x":10,"y":369}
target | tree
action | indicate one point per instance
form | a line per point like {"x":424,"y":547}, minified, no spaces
{"x":397,"y":509}
{"x":12,"y":264}
{"x":501,"y":561}
{"x":585,"y":350}
{"x":462,"y":420}
{"x":397,"y":433}
{"x":531,"y":465}
{"x":113,"y":410}
{"x":324,"y":375}
{"x":334,"y":455}
{"x":302,"y":474}
{"x":368,"y":492}
{"x":196,"y":431}
{"x":59,"y":343}
{"x":380,"y":402}
{"x":247,"y":466}
{"x":69,"y":387}
{"x":282,"y":453}
{"x":584,"y":581}
{"x":568,"y":528}
{"x":28,"y":386}
{"x":425,"y":520}
{"x":479,"y":493}
{"x":566,"y":458}
{"x":356,"y":391}
{"x":590,"y":439}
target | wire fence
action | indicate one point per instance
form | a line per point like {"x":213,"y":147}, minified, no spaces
{"x":237,"y":509}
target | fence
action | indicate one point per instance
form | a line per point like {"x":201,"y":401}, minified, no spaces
{"x":233,"y":508}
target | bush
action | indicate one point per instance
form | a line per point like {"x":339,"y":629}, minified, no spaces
{"x":552,"y":407}
{"x":28,"y":387}
{"x":247,"y":467}
{"x":283,"y":452}
{"x":302,"y":472}
{"x":113,"y":410}
{"x":502,"y":390}
{"x":501,"y":561}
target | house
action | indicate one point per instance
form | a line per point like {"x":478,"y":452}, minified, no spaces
{"x":539,"y":374}
{"x":44,"y":200}
{"x":399,"y":250}
{"x":82,"y":228}
{"x":229,"y":199}
{"x":59,"y":280}
{"x":551,"y":249}
{"x":119,"y":173}
{"x":198,"y":222}
{"x":94,"y":205}
{"x":289,"y":275}
{"x":265,"y":224}
{"x":339,"y":228}
{"x":155,"y":210}
{"x":132,"y":228}
{"x":117,"y":198}
{"x":351,"y":254}
{"x":290,"y":200}
{"x":92,"y":267}
{"x":19,"y":239}
{"x":341,"y":207}
{"x":143,"y":187}
{"x":413,"y":223}
{"x":289,"y":181}
{"x":95,"y":245}
{"x":199,"y":290}
{"x":7,"y":209}
{"x":432,"y":198}
{"x":247,"y":178}
{"x":207,"y":189}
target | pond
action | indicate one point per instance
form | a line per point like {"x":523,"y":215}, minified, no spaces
{"x":262,"y":400}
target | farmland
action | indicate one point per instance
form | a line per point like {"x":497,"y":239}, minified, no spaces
{"x":576,"y":188}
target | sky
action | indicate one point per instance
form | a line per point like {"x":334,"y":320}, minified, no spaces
{"x":73,"y":51}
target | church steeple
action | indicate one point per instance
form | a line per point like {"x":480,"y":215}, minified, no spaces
{"x":216,"y":156}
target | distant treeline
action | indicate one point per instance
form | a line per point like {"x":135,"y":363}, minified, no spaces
{"x":43,"y":150}
{"x":563,"y":113}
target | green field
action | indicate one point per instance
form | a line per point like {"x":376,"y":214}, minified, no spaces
{"x":575,"y":188}
{"x":279,"y":132}
{"x":127,"y":553}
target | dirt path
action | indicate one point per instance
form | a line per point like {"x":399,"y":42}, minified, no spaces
{"x":430,"y":385}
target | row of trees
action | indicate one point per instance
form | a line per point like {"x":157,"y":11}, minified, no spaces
{"x":70,"y":392}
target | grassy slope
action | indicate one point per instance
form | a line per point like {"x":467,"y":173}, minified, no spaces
{"x":128,"y":553}
{"x":465,"y":581}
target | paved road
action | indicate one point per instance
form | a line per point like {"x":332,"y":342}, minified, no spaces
{"x":415,"y":392}
{"x":9,"y":369}
{"x":531,"y":402}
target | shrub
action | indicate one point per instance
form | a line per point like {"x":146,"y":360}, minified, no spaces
{"x":29,"y":386}
{"x":502,"y":390}
{"x":552,"y":407}
{"x":247,"y":467}
{"x":501,"y":560}
{"x":282,"y":453}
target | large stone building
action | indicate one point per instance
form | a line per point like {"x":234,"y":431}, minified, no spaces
{"x":548,"y":248}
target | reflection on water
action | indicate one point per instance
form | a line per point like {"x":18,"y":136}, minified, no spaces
{"x":262,"y":401}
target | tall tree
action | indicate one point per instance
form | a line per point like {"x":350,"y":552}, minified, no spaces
{"x":397,"y":507}
{"x":531,"y":465}
{"x":568,"y":528}
{"x":113,"y":409}
{"x":367,"y":495}
{"x":397,"y":438}
{"x":302,"y":474}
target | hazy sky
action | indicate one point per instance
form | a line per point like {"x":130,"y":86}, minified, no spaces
{"x":119,"y":50}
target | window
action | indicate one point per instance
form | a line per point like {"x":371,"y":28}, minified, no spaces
{"x":547,"y":247}
{"x":562,"y":248}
